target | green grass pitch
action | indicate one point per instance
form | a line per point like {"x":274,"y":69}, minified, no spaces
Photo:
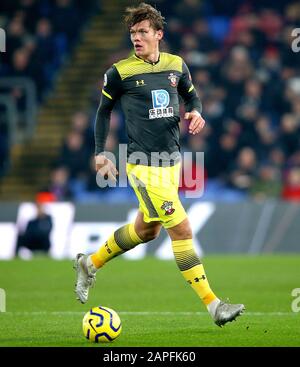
{"x":157,"y":307}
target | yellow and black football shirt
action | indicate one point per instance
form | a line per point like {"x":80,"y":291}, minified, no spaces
{"x":149,"y":95}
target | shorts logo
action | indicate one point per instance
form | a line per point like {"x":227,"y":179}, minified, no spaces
{"x":160,"y":102}
{"x":167,"y":206}
{"x":173,"y":79}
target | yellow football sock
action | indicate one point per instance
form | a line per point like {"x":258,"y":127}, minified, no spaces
{"x":122,"y":240}
{"x":192,"y":269}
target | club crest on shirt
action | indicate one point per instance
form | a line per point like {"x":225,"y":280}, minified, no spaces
{"x":173,"y":79}
{"x":167,"y":206}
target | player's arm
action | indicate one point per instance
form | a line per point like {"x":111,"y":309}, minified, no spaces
{"x":110,"y":93}
{"x":193,"y":105}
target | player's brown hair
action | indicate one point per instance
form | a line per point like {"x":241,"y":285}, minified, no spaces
{"x":143,"y":11}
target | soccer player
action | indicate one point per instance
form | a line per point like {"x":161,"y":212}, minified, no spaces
{"x":148,"y":85}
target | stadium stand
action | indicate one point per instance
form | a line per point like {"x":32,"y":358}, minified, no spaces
{"x":39,"y":41}
{"x":32,"y":160}
{"x":245,"y":71}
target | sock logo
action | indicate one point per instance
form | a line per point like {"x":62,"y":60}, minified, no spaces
{"x":167,"y":206}
{"x":107,"y":248}
{"x":197,"y":279}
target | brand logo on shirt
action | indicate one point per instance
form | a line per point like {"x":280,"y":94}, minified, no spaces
{"x":160,"y":102}
{"x":173,"y":79}
{"x":140,"y":83}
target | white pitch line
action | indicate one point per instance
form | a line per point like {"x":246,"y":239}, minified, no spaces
{"x":144,"y":313}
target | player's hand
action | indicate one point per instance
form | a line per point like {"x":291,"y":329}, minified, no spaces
{"x":106,"y":167}
{"x":197,"y":122}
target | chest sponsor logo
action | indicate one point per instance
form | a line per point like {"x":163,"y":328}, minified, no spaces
{"x":160,"y":102}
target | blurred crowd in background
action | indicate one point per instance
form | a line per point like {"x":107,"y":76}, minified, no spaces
{"x":40,"y":34}
{"x":245,"y":71}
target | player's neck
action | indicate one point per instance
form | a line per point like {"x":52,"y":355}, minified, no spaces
{"x":153,"y":58}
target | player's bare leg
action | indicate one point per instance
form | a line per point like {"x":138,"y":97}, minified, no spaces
{"x":146,"y":231}
{"x":193,"y":271}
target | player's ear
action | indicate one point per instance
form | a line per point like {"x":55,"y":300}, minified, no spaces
{"x":159,"y":34}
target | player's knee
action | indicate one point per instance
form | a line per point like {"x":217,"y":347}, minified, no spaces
{"x":182,"y":231}
{"x":185,"y":234}
{"x":149,"y":234}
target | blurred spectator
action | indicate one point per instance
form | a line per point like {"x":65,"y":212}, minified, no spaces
{"x":266,"y":137}
{"x":74,"y":155}
{"x":81,"y":124}
{"x":242,"y":173}
{"x":267,"y":184}
{"x":276,"y":157}
{"x":22,"y":67}
{"x":46,"y":51}
{"x":221,"y":158}
{"x":291,"y":188}
{"x":36,"y":237}
{"x":289,"y":134}
{"x":235,"y":72}
{"x":59,"y":184}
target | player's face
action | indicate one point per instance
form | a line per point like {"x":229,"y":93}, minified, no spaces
{"x":145,"y":39}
